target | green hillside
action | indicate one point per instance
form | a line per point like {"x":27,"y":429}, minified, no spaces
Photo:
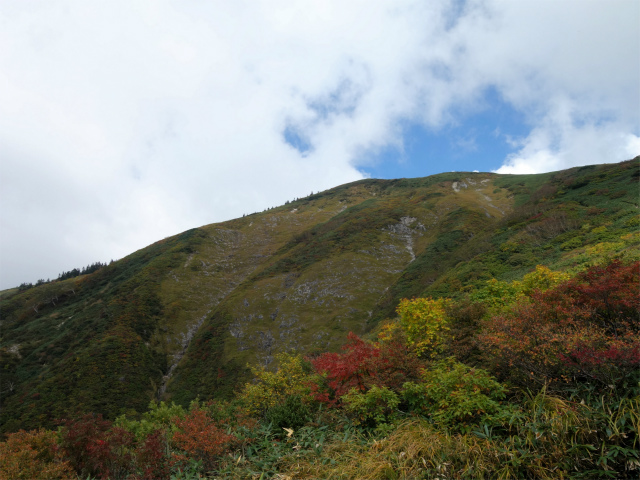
{"x":184,"y":317}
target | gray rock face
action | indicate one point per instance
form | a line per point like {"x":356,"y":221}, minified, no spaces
{"x":185,"y":340}
{"x":406,"y":233}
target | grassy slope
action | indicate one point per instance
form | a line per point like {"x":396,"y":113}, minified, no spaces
{"x":299,"y":276}
{"x":573,"y":217}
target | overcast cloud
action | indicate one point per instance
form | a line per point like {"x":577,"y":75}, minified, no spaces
{"x":122,"y":122}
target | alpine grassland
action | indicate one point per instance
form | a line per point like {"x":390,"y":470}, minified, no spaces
{"x":463,"y":325}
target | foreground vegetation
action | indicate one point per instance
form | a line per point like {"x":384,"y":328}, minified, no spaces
{"x":534,"y":378}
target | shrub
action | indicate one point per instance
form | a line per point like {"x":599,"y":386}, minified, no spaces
{"x":232,"y":414}
{"x":584,"y":329}
{"x":455,"y":395}
{"x":425,"y":323}
{"x":96,"y":449}
{"x":152,"y":456}
{"x":159,"y":416}
{"x":542,"y":279}
{"x":362,"y":366}
{"x":633,"y":221}
{"x":575,"y":242}
{"x":273,"y":388}
{"x":293,"y":413}
{"x":33,"y":455}
{"x":465,"y":319}
{"x":372,"y":408}
{"x":499,"y":295}
{"x":198,"y":437}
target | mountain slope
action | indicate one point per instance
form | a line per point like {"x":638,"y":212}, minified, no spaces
{"x":184,"y":316}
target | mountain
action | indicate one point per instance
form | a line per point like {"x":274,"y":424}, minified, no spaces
{"x":185,"y":316}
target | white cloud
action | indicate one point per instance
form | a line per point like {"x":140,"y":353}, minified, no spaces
{"x":572,"y":67}
{"x":123,"y":122}
{"x":549,"y":149}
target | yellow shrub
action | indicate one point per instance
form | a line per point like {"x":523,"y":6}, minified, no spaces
{"x":389,"y":331}
{"x":498,"y":294}
{"x":542,"y":278}
{"x":425,"y":324}
{"x":272,"y":388}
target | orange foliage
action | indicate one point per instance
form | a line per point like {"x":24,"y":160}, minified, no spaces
{"x":33,"y":455}
{"x":200,"y":438}
{"x":583,"y":329}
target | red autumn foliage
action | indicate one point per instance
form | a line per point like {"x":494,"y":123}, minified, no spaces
{"x":609,"y":295}
{"x":586,"y":328}
{"x":199,"y":437}
{"x":152,"y":458}
{"x":95,"y":448}
{"x":363,"y":365}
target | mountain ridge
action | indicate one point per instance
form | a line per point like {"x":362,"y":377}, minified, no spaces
{"x":184,"y":316}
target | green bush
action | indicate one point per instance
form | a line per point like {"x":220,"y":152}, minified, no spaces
{"x":158,"y":417}
{"x":273,"y":388}
{"x":455,"y":395}
{"x":293,"y":413}
{"x":575,"y":242}
{"x":377,"y":406}
{"x":633,"y":221}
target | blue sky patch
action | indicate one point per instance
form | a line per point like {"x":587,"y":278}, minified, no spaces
{"x":480,"y":141}
{"x":297,"y":139}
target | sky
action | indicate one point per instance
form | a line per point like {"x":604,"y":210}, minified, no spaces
{"x":123,"y":122}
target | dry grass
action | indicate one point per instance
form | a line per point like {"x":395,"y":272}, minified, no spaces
{"x":546,"y":440}
{"x":414,"y":450}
